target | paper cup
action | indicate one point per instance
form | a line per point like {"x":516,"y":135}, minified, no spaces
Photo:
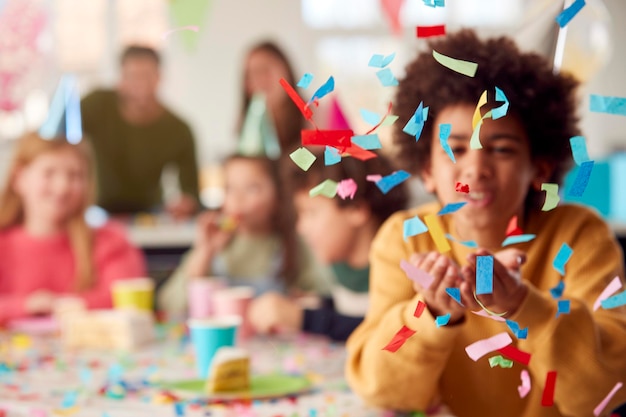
{"x":208,"y":335}
{"x":200,"y":296}
{"x":136,"y":293}
{"x":235,"y":301}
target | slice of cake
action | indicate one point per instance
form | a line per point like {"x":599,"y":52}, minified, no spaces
{"x":230,"y":370}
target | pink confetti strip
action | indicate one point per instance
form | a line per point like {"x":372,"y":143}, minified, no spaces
{"x":374,"y":177}
{"x":169,"y":32}
{"x":415,"y":274}
{"x":610,"y":289}
{"x":524,"y":389}
{"x":483,"y":313}
{"x":605,"y":401}
{"x":479,"y":349}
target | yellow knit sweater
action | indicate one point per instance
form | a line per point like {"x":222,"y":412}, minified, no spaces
{"x":586,"y":348}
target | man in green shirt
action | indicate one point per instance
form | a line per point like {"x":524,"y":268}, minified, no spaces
{"x":134,"y":137}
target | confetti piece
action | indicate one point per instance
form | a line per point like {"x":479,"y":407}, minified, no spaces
{"x":444,"y":134}
{"x":461,"y":188}
{"x":327,"y":188}
{"x":435,"y":3}
{"x":562,"y":257}
{"x":457,"y":65}
{"x":305,"y":81}
{"x":483,"y":313}
{"x":524,"y":389}
{"x":413,"y":227}
{"x":451,"y":208}
{"x":516,"y":330}
{"x":455,"y":293}
{"x":169,"y":32}
{"x":373,"y":177}
{"x":302,"y":106}
{"x":423,"y":278}
{"x":614,"y":301}
{"x":367,"y":141}
{"x":500,"y":111}
{"x":515,"y":354}
{"x":476,"y":117}
{"x":582,"y":179}
{"x":512,"y":228}
{"x":381,"y":61}
{"x":436,"y":232}
{"x":598,"y":410}
{"x":483,"y":347}
{"x":357,"y":152}
{"x":398,"y":340}
{"x":484,"y":274}
{"x":547,"y":398}
{"x":557,"y":291}
{"x":339,"y":139}
{"x":347,"y":188}
{"x":607,"y":104}
{"x":562,"y":307}
{"x":386,"y":78}
{"x":331,"y":156}
{"x":491,"y":313}
{"x":442,"y":320}
{"x":466,"y":243}
{"x":552,"y":196}
{"x":389,"y":120}
{"x":370,"y":117}
{"x":69,"y":399}
{"x":324,"y":89}
{"x":511,"y":240}
{"x":303,"y":158}
{"x":429,"y":31}
{"x":500,"y":361}
{"x":475,"y":139}
{"x":579,"y":149}
{"x":610,"y":289}
{"x":419,"y":309}
{"x":568,"y":14}
{"x":388,"y":182}
{"x":415,"y":125}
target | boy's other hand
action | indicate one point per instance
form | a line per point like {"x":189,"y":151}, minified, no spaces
{"x":273,"y":312}
{"x":509,"y":290}
{"x":446,"y":274}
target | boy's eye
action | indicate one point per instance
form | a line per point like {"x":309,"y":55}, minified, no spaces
{"x":458,"y":150}
{"x":503,"y":150}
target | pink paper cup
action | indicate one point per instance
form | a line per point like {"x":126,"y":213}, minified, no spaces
{"x":235,"y":301}
{"x":200,"y":292}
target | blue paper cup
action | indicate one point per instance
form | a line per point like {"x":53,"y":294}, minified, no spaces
{"x":208,"y":335}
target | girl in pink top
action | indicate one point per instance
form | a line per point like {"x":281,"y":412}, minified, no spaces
{"x":47,"y":250}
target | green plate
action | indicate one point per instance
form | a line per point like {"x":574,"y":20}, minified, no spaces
{"x":261,"y":386}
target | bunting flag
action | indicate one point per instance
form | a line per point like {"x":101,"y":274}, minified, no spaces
{"x":392,"y":8}
{"x":189,"y":13}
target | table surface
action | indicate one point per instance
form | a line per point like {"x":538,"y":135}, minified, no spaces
{"x":43,"y":380}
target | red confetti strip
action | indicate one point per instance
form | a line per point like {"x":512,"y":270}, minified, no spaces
{"x":357,"y":152}
{"x":419,"y":309}
{"x":512,"y":229}
{"x":339,"y":139}
{"x":381,"y":120}
{"x":428,"y":31}
{"x":547,"y":398}
{"x":398,"y":340}
{"x":461,"y":188}
{"x":515,"y":354}
{"x":304,"y":109}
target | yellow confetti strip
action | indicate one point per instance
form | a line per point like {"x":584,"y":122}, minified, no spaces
{"x":436,"y":232}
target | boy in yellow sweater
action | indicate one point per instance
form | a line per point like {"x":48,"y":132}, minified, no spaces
{"x":573,"y":353}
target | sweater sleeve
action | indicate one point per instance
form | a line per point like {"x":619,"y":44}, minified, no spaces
{"x":381,"y":377}
{"x":327,"y":321}
{"x":584,"y":347}
{"x":188,"y":164}
{"x":115,"y":259}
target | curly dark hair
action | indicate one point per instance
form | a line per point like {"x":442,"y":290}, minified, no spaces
{"x":381,"y":205}
{"x":544,"y":102}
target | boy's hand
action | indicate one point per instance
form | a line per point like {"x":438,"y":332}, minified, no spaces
{"x":509,"y":290}
{"x":446,"y":274}
{"x":211,"y":237}
{"x":40,"y":302}
{"x":273,"y":312}
{"x":182,"y":208}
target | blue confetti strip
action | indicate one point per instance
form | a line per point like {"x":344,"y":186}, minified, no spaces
{"x":370,"y":117}
{"x":608,"y":104}
{"x":305,"y":81}
{"x":516,"y":330}
{"x":484,"y":275}
{"x":451,"y":208}
{"x":562,"y":307}
{"x":466,"y":243}
{"x":331,"y":156}
{"x":324,"y":89}
{"x":416,"y":123}
{"x":455,"y":293}
{"x":568,"y":14}
{"x":381,"y":61}
{"x":582,"y":179}
{"x":388,"y":182}
{"x":579,"y":149}
{"x":444,"y":134}
{"x":511,"y":240}
{"x":501,"y":111}
{"x":413,"y":227}
{"x":565,"y":252}
{"x":614,"y":301}
{"x":386,"y":77}
{"x":557,"y":292}
{"x":442,"y":320}
{"x":367,"y":141}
